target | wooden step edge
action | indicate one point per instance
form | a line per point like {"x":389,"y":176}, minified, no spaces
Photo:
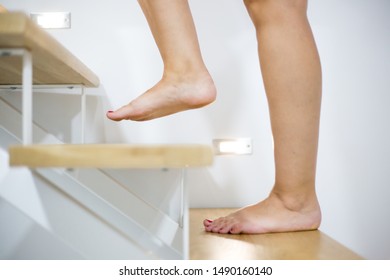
{"x":51,"y":58}
{"x":111,"y":156}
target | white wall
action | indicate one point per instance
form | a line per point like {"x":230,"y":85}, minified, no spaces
{"x":353,"y":37}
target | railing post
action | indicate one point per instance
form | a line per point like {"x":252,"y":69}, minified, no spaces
{"x":27,"y":97}
{"x":83,"y":114}
{"x":27,"y":81}
{"x":184,"y":215}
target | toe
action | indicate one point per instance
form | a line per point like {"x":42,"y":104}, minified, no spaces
{"x":112,"y":116}
{"x":216,"y":225}
{"x":127,"y":112}
{"x":224,"y":229}
{"x":119,"y":114}
{"x":216,"y":229}
{"x":235,"y":229}
{"x":207,"y":222}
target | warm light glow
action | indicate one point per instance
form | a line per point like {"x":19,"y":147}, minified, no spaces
{"x":239,"y":146}
{"x":230,"y":147}
{"x":52,"y":20}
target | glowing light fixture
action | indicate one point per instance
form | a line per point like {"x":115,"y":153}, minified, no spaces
{"x":233,"y":146}
{"x":52,"y":20}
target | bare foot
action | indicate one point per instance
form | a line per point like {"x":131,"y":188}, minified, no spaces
{"x":169,"y":96}
{"x":270,"y":215}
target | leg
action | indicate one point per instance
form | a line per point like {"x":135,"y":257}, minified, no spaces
{"x":186,"y":83}
{"x":292,"y":79}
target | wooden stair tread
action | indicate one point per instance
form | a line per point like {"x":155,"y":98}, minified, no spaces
{"x":52,"y":62}
{"x":111,"y":156}
{"x":306,"y":245}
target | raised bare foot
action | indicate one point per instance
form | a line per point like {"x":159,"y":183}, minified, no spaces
{"x":171,"y":95}
{"x":270,"y":215}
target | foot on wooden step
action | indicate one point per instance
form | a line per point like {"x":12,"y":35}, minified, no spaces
{"x":270,"y":215}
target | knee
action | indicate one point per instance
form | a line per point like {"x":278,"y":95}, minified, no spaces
{"x":262,"y":11}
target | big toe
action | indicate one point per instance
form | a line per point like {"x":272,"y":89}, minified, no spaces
{"x":207,"y":222}
{"x":126,"y":112}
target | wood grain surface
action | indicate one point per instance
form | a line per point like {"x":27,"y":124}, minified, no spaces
{"x":52,"y":62}
{"x":111,"y":156}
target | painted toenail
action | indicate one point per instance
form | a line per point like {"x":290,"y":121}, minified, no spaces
{"x":110,"y":111}
{"x":210,"y":221}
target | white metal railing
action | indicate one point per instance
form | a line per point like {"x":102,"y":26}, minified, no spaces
{"x":131,"y":215}
{"x":100,"y":206}
{"x":27,"y":88}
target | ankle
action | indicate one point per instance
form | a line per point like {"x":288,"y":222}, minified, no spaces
{"x":200,"y":82}
{"x":298,"y":201}
{"x":187,"y":75}
{"x":184,"y":67}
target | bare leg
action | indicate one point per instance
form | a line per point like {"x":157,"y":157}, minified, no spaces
{"x":186,"y":83}
{"x":292,"y":78}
